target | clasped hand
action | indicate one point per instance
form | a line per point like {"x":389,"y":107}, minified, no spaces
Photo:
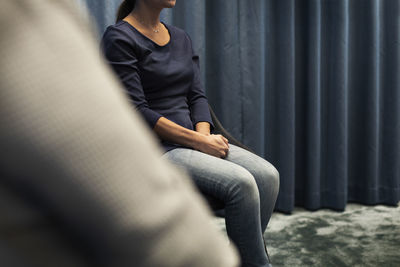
{"x":214,"y":145}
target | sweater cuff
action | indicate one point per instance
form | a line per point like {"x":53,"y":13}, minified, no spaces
{"x":150,"y":116}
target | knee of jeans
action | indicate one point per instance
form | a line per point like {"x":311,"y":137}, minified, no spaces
{"x":274,"y":176}
{"x":245,"y":187}
{"x":270,"y":175}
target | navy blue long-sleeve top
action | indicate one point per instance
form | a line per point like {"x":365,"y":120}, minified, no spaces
{"x":161,"y":81}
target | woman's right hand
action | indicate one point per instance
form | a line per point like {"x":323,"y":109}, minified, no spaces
{"x":214,"y":145}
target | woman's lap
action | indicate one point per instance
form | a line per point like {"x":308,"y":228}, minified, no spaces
{"x":216,"y":177}
{"x":213,"y":176}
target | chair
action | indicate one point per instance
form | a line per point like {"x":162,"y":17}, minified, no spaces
{"x":219,"y":129}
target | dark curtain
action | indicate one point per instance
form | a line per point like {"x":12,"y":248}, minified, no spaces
{"x":311,"y":85}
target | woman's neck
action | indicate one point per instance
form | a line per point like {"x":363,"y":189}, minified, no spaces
{"x":146,"y":14}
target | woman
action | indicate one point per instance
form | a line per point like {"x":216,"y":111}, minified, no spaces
{"x":156,"y":64}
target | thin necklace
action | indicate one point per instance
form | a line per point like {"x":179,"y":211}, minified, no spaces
{"x":155,"y":30}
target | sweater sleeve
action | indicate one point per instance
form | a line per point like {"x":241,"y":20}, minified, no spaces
{"x":198,"y":103}
{"x":120,"y":53}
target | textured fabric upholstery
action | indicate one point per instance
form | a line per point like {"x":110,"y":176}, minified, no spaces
{"x":82,"y":180}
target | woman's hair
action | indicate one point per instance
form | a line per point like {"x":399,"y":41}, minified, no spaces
{"x":125,"y":8}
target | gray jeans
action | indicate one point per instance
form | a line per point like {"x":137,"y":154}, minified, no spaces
{"x":246,"y":184}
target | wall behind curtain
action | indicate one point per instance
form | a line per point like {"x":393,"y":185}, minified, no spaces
{"x":311,"y":85}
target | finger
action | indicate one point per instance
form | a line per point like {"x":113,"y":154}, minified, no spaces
{"x":225,"y":142}
{"x":225,"y":139}
{"x":221,"y":139}
{"x":223,"y":155}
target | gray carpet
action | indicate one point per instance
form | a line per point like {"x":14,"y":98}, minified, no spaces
{"x":359,"y":236}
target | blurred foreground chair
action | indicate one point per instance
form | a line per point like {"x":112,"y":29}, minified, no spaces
{"x":82,"y":181}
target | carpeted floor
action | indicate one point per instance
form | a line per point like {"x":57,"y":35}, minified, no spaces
{"x":359,"y":236}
